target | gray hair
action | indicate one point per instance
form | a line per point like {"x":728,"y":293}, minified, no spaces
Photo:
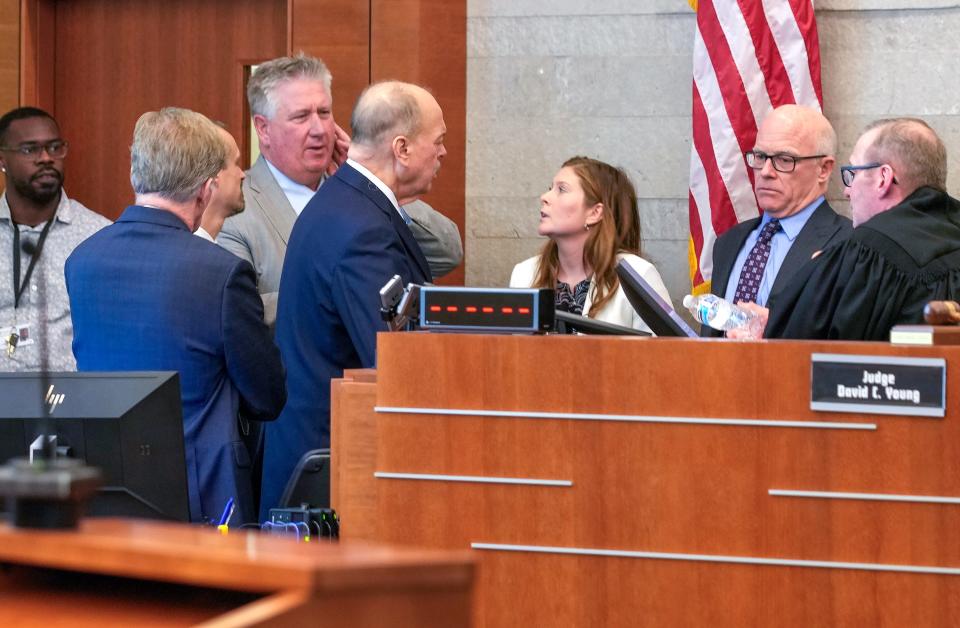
{"x":174,"y":152}
{"x":914,"y":150}
{"x":262,"y":86}
{"x":385,"y":108}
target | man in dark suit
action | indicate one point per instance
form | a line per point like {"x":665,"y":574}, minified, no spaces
{"x":145,"y":294}
{"x":792,"y":159}
{"x":351,"y":238}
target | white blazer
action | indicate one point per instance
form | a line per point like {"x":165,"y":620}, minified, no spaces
{"x":618,"y":309}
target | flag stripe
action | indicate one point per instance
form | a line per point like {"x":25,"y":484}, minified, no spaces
{"x":696,"y":244}
{"x":702,"y":232}
{"x":738,"y":106}
{"x":793,"y":51}
{"x":803,"y":14}
{"x":726,"y":149}
{"x":751,"y":77}
{"x":722,"y":216}
{"x":775,"y":75}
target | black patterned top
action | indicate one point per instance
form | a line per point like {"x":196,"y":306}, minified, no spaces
{"x":572,"y":301}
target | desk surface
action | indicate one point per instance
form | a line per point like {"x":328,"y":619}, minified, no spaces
{"x":114,"y":571}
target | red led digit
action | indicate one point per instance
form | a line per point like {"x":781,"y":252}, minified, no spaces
{"x":471,"y":309}
{"x":507,"y":310}
{"x":452,"y":308}
{"x":435,"y":308}
{"x":524,"y":310}
{"x":487,"y":310}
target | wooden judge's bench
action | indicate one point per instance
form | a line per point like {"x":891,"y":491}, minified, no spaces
{"x":608,"y":481}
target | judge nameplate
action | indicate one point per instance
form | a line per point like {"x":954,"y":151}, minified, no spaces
{"x":878,"y":385}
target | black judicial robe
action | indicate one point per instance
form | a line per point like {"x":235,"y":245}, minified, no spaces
{"x":881,"y":276}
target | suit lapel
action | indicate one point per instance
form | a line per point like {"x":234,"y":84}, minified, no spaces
{"x":372,"y":192}
{"x":726,"y":254}
{"x":273,"y":202}
{"x":819,"y":228}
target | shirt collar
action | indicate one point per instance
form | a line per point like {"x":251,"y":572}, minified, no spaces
{"x":297,"y":194}
{"x":793,"y":224}
{"x":377,"y":182}
{"x":63,"y":214}
{"x":203,"y":233}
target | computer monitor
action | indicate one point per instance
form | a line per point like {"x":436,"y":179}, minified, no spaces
{"x":129,"y":425}
{"x":651,"y":307}
{"x":567,"y":323}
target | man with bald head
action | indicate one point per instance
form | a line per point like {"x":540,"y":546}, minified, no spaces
{"x":351,"y":238}
{"x":792,"y":160}
{"x":903,"y":252}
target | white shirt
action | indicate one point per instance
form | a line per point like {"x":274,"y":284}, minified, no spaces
{"x":203,"y":233}
{"x":297,"y":194}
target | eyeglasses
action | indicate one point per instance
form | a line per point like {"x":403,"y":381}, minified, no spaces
{"x":55,"y":148}
{"x":847,"y":173}
{"x":782,"y":162}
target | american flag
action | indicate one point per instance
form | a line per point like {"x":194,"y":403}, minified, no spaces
{"x":749,"y":56}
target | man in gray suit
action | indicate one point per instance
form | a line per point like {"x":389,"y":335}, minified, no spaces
{"x":300,"y":145}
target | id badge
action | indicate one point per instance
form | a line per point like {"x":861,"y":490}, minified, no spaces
{"x":15,"y":337}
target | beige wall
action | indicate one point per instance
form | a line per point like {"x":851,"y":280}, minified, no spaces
{"x":548,"y":79}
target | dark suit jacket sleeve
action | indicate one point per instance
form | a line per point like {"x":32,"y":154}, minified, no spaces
{"x":374,"y":255}
{"x":253,"y":361}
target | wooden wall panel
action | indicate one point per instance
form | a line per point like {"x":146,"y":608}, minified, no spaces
{"x":98,"y":64}
{"x":116,"y":59}
{"x":9,"y":54}
{"x":337,"y":31}
{"x":37,"y":49}
{"x":9,"y":59}
{"x":425,"y":42}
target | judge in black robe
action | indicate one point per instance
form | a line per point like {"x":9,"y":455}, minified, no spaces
{"x":881,"y":276}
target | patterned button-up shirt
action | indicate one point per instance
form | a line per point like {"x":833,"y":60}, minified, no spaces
{"x":44,"y":306}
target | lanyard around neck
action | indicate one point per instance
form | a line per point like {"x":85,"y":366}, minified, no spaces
{"x":18,"y":287}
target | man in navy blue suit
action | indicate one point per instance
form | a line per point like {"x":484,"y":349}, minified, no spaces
{"x":145,"y":294}
{"x":351,"y":238}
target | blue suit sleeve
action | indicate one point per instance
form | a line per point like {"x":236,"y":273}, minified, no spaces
{"x":373,"y":257}
{"x":253,"y":361}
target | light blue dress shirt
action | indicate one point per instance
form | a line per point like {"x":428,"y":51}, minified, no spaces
{"x":790,"y":228}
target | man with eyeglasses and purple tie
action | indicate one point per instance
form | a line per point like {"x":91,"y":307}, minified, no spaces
{"x":903,"y":252}
{"x":39,"y":228}
{"x":792,"y":160}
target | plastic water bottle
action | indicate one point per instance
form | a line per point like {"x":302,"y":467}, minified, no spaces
{"x":709,"y":309}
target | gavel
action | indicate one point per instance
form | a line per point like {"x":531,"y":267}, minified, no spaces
{"x":942,"y":313}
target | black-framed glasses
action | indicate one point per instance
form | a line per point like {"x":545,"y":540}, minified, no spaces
{"x":782,"y":162}
{"x":848,"y":172}
{"x":55,"y":148}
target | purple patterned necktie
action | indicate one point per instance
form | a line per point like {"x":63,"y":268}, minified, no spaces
{"x":752,"y":272}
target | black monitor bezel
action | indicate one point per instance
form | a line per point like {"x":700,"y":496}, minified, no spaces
{"x":659,"y":315}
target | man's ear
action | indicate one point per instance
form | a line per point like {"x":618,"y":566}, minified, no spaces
{"x":205,"y":195}
{"x":885,"y":180}
{"x":260,"y":124}
{"x":826,"y":169}
{"x":401,"y":148}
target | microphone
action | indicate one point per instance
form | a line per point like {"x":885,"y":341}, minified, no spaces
{"x":29,"y":247}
